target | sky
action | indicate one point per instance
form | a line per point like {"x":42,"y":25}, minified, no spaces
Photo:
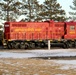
{"x":64,"y":3}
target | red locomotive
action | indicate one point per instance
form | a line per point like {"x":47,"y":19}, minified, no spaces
{"x":35,"y":34}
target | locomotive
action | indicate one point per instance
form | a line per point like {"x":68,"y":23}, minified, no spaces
{"x":36,"y":34}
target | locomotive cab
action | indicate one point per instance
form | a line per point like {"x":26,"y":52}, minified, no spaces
{"x":70,"y":35}
{"x":70,"y":30}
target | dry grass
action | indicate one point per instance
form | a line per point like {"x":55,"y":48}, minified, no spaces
{"x":32,"y":67}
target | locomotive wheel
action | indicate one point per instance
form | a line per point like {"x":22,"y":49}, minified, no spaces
{"x":17,"y":45}
{"x":32,"y":45}
{"x":42,"y":45}
{"x":75,"y":44}
{"x":65,"y":46}
{"x":9,"y":46}
{"x":22,"y":45}
{"x":38,"y":45}
{"x":26,"y":45}
{"x":13,"y":45}
{"x":70,"y":45}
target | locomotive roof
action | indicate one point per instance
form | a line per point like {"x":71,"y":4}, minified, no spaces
{"x":71,"y":23}
{"x":67,"y":23}
{"x":30,"y":22}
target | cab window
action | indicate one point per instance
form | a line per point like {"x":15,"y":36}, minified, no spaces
{"x":72,"y":27}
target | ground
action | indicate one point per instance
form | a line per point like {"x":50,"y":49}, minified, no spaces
{"x":35,"y":66}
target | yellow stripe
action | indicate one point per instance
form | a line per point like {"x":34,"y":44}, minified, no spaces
{"x":40,"y":40}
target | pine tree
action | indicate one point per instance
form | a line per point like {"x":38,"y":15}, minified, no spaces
{"x":51,"y":10}
{"x":9,"y":9}
{"x":31,"y":9}
{"x":73,"y":14}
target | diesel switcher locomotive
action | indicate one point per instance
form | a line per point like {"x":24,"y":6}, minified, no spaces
{"x":36,"y":34}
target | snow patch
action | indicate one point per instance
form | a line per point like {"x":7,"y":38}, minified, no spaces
{"x":37,"y":53}
{"x":67,"y":62}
